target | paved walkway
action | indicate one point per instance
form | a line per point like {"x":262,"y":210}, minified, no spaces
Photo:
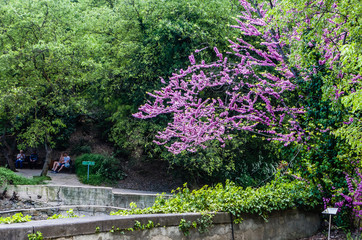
{"x":67,"y":179}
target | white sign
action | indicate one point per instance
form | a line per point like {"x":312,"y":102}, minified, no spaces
{"x":330,"y":211}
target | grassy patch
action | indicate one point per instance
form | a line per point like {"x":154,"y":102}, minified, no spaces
{"x":8,"y":177}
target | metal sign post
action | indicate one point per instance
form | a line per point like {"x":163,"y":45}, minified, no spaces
{"x":330,"y":212}
{"x":88,"y":163}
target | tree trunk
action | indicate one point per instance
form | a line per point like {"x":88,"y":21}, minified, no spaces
{"x":10,"y":160}
{"x":9,"y":151}
{"x":47,"y":161}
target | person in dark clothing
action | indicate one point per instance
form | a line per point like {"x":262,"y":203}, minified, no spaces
{"x":33,"y":159}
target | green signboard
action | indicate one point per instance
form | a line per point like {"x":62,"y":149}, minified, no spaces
{"x":88,"y":163}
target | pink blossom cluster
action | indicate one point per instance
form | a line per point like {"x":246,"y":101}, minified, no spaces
{"x":250,"y":99}
{"x":349,"y":122}
{"x":353,"y":199}
{"x":326,"y":201}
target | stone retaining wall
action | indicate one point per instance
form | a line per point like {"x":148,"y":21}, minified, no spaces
{"x":292,"y":224}
{"x":70,"y":195}
{"x":45,"y":212}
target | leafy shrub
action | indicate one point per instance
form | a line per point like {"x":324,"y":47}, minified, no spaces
{"x":110,"y":169}
{"x":94,"y":179}
{"x":70,"y":214}
{"x":35,"y":236}
{"x":105,"y":170}
{"x":9,"y":177}
{"x":16,"y":218}
{"x":280,"y":194}
{"x":202,"y":224}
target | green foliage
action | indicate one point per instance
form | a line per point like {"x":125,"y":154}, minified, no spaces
{"x":16,"y":218}
{"x":151,"y":225}
{"x":279,"y":194}
{"x":185,"y":226}
{"x":350,"y":236}
{"x":79,"y":148}
{"x":349,"y":62}
{"x":35,"y":236}
{"x":326,"y":154}
{"x":157,"y":38}
{"x":43,"y":71}
{"x":65,"y":61}
{"x":324,"y":158}
{"x":113,"y":230}
{"x":8,"y":177}
{"x":70,"y":214}
{"x":137,"y":226}
{"x":352,"y":132}
{"x":94,"y":179}
{"x":204,"y":223}
{"x":201,"y":224}
{"x":105,"y":170}
{"x":246,"y":160}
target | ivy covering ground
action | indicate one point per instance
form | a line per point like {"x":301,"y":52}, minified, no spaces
{"x":16,"y":218}
{"x":279,"y":194}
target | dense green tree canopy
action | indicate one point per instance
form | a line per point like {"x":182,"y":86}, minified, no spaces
{"x":42,"y":70}
{"x":63,"y":59}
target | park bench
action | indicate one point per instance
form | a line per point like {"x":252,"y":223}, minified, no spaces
{"x":70,"y":169}
{"x":37,"y":165}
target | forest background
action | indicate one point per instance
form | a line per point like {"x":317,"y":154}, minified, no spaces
{"x":66,"y":65}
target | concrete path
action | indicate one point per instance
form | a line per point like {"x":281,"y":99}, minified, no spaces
{"x":67,"y":179}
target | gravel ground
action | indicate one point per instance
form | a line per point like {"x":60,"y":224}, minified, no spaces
{"x":324,"y":236}
{"x":336,"y":233}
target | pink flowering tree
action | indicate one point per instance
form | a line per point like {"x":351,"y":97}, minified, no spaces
{"x":254,"y":79}
{"x":248,"y":88}
{"x":238,"y":92}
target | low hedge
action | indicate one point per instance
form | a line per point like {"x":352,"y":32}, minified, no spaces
{"x":277,"y":195}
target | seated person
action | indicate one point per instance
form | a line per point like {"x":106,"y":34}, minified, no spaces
{"x":19,"y":160}
{"x":58,"y":163}
{"x":66,"y":162}
{"x":32,"y":159}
